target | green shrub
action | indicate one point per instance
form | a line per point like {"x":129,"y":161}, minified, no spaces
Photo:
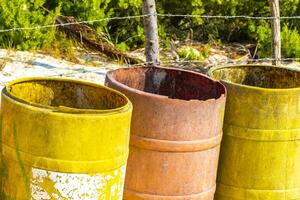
{"x":191,"y":53}
{"x":264,"y":35}
{"x":85,"y":10}
{"x":26,"y":13}
{"x":128,"y":34}
{"x":124,"y":33}
{"x":290,"y":42}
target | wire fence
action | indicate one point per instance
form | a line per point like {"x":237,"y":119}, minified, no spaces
{"x":160,"y":15}
{"x":72,"y":23}
{"x":229,"y":17}
{"x":148,"y":15}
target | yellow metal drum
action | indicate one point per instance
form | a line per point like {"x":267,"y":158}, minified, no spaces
{"x":260,"y":151}
{"x":63,"y":139}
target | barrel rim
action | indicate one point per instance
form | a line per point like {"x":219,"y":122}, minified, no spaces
{"x":255,"y":87}
{"x":73,"y":111}
{"x":162,"y":97}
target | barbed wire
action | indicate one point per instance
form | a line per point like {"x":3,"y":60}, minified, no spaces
{"x":148,"y":15}
{"x":273,"y":59}
{"x":229,"y":17}
{"x":228,"y":61}
{"x":73,"y":23}
{"x":160,"y":15}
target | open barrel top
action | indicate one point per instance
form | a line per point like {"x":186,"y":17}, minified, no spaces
{"x":65,"y":95}
{"x":258,"y":77}
{"x":168,"y":82}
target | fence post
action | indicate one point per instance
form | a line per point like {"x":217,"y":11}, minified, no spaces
{"x":276,"y":41}
{"x":151,"y":32}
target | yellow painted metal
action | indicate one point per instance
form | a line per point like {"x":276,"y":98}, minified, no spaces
{"x":260,"y":151}
{"x":63,"y":139}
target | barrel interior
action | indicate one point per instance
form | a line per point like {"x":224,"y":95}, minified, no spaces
{"x":58,"y":93}
{"x":175,"y":84}
{"x":259,"y":76}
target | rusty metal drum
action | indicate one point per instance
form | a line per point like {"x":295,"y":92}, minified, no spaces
{"x":176,"y":131}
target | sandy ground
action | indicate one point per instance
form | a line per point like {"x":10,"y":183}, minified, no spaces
{"x":93,"y":67}
{"x":19,"y":64}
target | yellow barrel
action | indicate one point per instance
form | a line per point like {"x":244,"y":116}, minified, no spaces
{"x":63,"y":139}
{"x":260,"y":151}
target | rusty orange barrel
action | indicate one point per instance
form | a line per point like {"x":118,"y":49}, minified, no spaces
{"x":260,"y":151}
{"x":63,"y":139}
{"x":176,"y":131}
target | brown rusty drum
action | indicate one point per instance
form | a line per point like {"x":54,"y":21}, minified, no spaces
{"x":175,"y":132}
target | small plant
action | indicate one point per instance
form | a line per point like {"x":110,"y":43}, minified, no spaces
{"x":191,"y":53}
{"x":265,"y":41}
{"x":290,"y":41}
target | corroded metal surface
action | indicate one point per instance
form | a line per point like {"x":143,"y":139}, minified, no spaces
{"x":260,"y":154}
{"x":175,"y":132}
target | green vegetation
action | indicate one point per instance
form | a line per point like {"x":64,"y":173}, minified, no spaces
{"x":128,"y":34}
{"x":190,"y":53}
{"x":290,"y":40}
{"x":26,"y":13}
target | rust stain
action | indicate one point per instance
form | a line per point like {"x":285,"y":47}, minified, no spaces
{"x":176,"y":131}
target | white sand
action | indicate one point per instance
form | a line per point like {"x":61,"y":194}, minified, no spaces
{"x":19,"y":64}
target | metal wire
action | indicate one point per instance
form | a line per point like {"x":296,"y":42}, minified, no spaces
{"x":159,"y":15}
{"x":72,"y":23}
{"x":229,"y":17}
{"x":142,"y":16}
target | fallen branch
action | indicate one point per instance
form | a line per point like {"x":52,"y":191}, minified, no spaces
{"x":94,"y":40}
